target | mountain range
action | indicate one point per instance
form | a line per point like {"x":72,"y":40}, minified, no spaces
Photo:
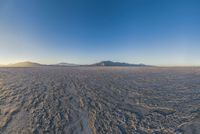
{"x":23,"y":64}
{"x":102,"y":63}
{"x":111,"y":63}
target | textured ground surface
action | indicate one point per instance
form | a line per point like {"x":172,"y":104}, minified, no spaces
{"x":81,"y":100}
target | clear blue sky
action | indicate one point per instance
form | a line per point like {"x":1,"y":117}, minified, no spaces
{"x":157,"y":32}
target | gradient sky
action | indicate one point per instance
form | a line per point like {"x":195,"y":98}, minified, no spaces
{"x":156,"y":32}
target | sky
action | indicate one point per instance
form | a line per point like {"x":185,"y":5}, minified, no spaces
{"x":154,"y":32}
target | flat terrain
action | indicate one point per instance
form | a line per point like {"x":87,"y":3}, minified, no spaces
{"x":99,"y":100}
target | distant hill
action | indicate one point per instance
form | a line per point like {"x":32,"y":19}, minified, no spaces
{"x":33,"y":64}
{"x":24,"y":64}
{"x":111,"y":63}
{"x":65,"y":64}
{"x":102,"y":63}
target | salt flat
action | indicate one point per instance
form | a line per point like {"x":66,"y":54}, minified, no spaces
{"x":100,"y":100}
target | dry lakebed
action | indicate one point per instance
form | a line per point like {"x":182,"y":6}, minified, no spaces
{"x":100,"y":100}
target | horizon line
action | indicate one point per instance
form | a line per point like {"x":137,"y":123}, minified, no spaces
{"x":28,"y":61}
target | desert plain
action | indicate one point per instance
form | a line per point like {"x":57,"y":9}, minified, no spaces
{"x":100,"y":100}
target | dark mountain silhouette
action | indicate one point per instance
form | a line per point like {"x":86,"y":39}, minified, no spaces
{"x":111,"y":63}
